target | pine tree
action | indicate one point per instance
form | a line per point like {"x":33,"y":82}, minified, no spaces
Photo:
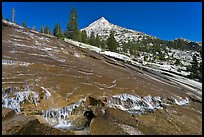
{"x":97,"y":41}
{"x":125,"y":47}
{"x":83,"y":37}
{"x":24,"y":24}
{"x":112,"y":44}
{"x":41,"y":29}
{"x":131,"y":48}
{"x":92,"y":39}
{"x":103,"y":44}
{"x":47,"y":30}
{"x":194,"y":67}
{"x":72,"y":26}
{"x":58,"y":31}
{"x":50,"y":31}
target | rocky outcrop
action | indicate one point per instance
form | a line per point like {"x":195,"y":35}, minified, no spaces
{"x":114,"y":122}
{"x":76,"y":116}
{"x":19,"y":124}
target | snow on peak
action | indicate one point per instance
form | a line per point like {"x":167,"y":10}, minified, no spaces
{"x":102,"y":19}
{"x":98,"y":24}
{"x":103,"y":27}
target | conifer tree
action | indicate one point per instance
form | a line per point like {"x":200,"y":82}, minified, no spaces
{"x":125,"y":48}
{"x":112,"y":44}
{"x":97,"y":41}
{"x":72,"y":26}
{"x":58,"y":31}
{"x":83,"y":36}
{"x":41,"y":29}
{"x":103,"y":44}
{"x":194,"y":67}
{"x":92,"y":39}
{"x":46,"y":30}
{"x":24,"y":24}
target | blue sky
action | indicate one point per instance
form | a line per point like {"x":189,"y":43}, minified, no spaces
{"x":165,"y":20}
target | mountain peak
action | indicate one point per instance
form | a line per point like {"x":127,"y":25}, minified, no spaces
{"x":103,"y":28}
{"x":102,"y":22}
{"x":102,"y":19}
{"x":99,"y":24}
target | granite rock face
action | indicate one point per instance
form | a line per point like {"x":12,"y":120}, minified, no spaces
{"x":50,"y":86}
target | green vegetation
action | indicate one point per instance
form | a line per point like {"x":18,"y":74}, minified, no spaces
{"x":92,"y":39}
{"x":84,"y":37}
{"x":24,"y":24}
{"x":177,"y":62}
{"x":45,"y":30}
{"x":196,"y":69}
{"x":58,"y":32}
{"x":112,"y":44}
{"x":72,"y":26}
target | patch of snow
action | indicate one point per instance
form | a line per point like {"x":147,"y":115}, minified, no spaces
{"x":116,"y":55}
{"x":83,"y":45}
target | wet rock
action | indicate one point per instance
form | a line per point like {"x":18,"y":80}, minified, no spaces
{"x":103,"y":126}
{"x":27,"y":125}
{"x":80,"y":109}
{"x":79,"y":122}
{"x":91,"y":101}
{"x":195,"y":99}
{"x":170,"y":100}
{"x":7,"y":113}
{"x":121,"y":117}
{"x":109,"y":123}
{"x":130,"y":130}
{"x":103,"y":99}
{"x":93,"y":105}
{"x":98,"y":111}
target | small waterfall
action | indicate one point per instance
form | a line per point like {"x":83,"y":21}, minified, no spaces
{"x":58,"y":117}
{"x":138,"y":105}
{"x":13,"y":98}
